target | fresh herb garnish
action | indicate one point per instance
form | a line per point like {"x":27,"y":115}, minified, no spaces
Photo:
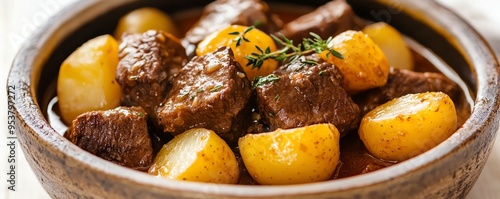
{"x":216,"y":88}
{"x":258,"y":81}
{"x":241,"y":36}
{"x":199,"y":90}
{"x":308,"y":45}
{"x":308,"y":62}
{"x":257,"y":23}
{"x":321,"y":73}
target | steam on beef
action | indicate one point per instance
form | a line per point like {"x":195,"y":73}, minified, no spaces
{"x":147,"y":62}
{"x":307,"y":94}
{"x":328,"y":20}
{"x":222,"y":13}
{"x":209,"y":92}
{"x":402,"y":82}
{"x":119,"y":135}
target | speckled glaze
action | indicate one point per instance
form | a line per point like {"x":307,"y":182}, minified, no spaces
{"x":447,"y":171}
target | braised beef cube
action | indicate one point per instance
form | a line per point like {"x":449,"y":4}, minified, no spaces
{"x":147,"y":62}
{"x":402,"y":82}
{"x":119,"y":135}
{"x":328,"y":20}
{"x":308,"y":94}
{"x":222,"y":13}
{"x":209,"y":92}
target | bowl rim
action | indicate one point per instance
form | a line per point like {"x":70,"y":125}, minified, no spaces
{"x":49,"y":36}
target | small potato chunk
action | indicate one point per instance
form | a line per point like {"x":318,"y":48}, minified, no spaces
{"x":144,"y":19}
{"x":229,"y":37}
{"x":392,"y":44}
{"x":197,"y":155}
{"x":408,"y":126}
{"x":86,"y":79}
{"x":364,"y":65}
{"x":293,"y":156}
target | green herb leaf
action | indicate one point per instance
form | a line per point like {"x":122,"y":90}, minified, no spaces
{"x":241,"y":36}
{"x":257,"y":23}
{"x":308,"y":45}
{"x":249,"y":29}
{"x":258,"y":81}
{"x":336,"y":54}
{"x":216,"y":88}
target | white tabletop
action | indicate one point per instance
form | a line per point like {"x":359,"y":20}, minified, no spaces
{"x":19,"y":18}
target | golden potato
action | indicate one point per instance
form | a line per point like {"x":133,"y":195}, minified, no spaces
{"x":364,"y":65}
{"x":255,"y":37}
{"x":301,"y":155}
{"x":86,"y":80}
{"x":408,"y":126}
{"x":144,"y":19}
{"x":197,"y":155}
{"x":392,"y":44}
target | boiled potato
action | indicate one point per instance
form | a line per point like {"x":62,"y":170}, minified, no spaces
{"x":392,"y":44}
{"x":86,"y":79}
{"x":408,"y":126}
{"x":364,"y":65}
{"x":301,"y":155}
{"x":255,"y":38}
{"x":144,"y":19}
{"x":197,"y":155}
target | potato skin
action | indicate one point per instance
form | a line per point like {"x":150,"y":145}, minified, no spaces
{"x":364,"y":65}
{"x":300,"y":155}
{"x":256,"y":38}
{"x":408,"y":126}
{"x":392,"y":44}
{"x":86,"y":80}
{"x":197,"y":155}
{"x":144,"y":19}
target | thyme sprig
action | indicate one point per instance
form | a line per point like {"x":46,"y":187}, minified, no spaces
{"x":308,"y":45}
{"x":258,"y":81}
{"x":241,"y":36}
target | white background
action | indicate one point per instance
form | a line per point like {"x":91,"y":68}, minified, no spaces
{"x":19,"y":18}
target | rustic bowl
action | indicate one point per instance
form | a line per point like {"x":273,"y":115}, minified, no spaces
{"x":447,"y":171}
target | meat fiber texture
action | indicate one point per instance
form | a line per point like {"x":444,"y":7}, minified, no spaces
{"x":209,"y":92}
{"x":119,"y":135}
{"x":147,"y":63}
{"x":307,"y":94}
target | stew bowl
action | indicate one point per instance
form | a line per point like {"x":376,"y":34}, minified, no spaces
{"x":449,"y":170}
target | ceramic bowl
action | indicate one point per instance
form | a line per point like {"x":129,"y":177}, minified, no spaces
{"x":447,"y":171}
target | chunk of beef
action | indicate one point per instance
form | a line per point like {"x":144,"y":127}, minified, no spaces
{"x":209,"y":92}
{"x":307,"y":94}
{"x":222,"y":13}
{"x":328,"y":20}
{"x":147,"y":62}
{"x":402,"y":82}
{"x":119,"y":135}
